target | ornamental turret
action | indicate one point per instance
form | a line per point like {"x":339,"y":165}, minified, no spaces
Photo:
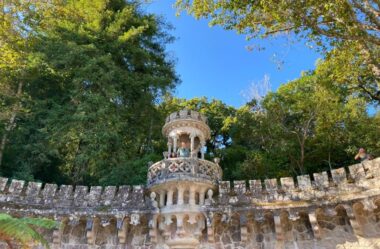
{"x":186,"y":132}
{"x":183,"y":181}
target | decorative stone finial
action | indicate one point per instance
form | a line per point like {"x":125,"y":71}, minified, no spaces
{"x":135,"y":219}
{"x":209,"y":199}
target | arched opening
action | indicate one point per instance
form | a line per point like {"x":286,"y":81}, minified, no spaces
{"x":235,"y":227}
{"x":304,"y":227}
{"x":286,"y":225}
{"x":376,"y":211}
{"x":342,"y":218}
{"x":78,"y":234}
{"x":196,"y":198}
{"x":175,"y":196}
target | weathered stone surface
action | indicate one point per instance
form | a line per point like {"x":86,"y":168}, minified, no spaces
{"x":339,"y":176}
{"x":79,"y":196}
{"x":287,"y":183}
{"x":108,"y":195}
{"x":270,"y":184}
{"x":138,"y":195}
{"x":373,"y":167}
{"x":224,"y":187}
{"x":239,"y":187}
{"x":33,"y":189}
{"x":93,"y":197}
{"x":255,"y":187}
{"x":16,"y":187}
{"x":3,"y":183}
{"x":321,"y":180}
{"x":65,"y":195}
{"x":123,"y":193}
{"x":357,"y":171}
{"x":304,"y":182}
{"x":49,"y":191}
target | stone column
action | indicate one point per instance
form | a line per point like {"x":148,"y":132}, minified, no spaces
{"x":279,"y":243}
{"x":192,"y":196}
{"x":203,"y":144}
{"x":314,"y":225}
{"x":169,"y":201}
{"x":175,"y":140}
{"x":169,"y":147}
{"x":353,"y":221}
{"x":202,"y":194}
{"x":192,"y":137}
{"x":180,"y":229}
{"x":181,"y":190}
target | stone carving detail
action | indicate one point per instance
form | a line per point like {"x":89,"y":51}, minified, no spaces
{"x":192,"y":167}
{"x":135,"y":219}
{"x":209,"y":199}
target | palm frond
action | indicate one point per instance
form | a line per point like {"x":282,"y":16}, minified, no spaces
{"x":23,"y":230}
{"x":40,"y":222}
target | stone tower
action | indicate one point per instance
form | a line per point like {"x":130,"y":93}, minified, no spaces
{"x":183,"y":182}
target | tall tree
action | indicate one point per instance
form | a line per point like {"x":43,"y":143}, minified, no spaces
{"x":96,"y":71}
{"x":14,"y":46}
{"x":303,"y":127}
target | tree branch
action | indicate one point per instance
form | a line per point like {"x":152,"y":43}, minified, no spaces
{"x":366,"y":9}
{"x":369,"y":93}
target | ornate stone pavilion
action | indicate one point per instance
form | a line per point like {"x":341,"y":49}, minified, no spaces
{"x":185,"y":205}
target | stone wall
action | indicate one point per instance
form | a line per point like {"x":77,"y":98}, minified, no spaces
{"x":336,"y":209}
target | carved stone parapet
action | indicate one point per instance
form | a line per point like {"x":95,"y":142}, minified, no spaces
{"x":183,"y":167}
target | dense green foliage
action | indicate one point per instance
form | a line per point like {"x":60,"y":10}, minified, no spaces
{"x":93,"y":71}
{"x":86,"y":86}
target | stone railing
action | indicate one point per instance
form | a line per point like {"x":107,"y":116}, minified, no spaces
{"x":336,"y":209}
{"x":183,"y":167}
{"x":18,"y":194}
{"x":358,"y":181}
{"x":186,"y":114}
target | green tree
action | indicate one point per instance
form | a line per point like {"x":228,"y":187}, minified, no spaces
{"x":346,"y":67}
{"x":95,"y":72}
{"x":303,"y":127}
{"x":14,"y":44}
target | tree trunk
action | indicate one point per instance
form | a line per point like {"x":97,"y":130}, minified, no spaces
{"x":12,"y":122}
{"x":302,"y":159}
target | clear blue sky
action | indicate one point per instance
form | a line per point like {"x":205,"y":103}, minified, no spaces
{"x":216,"y":63}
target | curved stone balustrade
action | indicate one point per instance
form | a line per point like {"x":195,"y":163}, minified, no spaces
{"x":183,"y":167}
